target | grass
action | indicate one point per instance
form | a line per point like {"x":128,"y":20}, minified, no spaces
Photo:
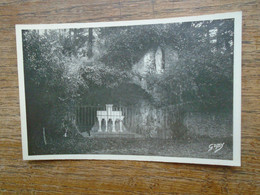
{"x":196,"y":148}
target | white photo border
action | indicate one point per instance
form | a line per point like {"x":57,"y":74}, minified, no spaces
{"x":237,"y":16}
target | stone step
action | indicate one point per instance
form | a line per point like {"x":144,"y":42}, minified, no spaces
{"x":114,"y":134}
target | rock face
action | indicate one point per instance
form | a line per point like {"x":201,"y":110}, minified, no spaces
{"x":146,"y":65}
{"x":149,"y":121}
{"x":156,"y":122}
{"x":155,"y":62}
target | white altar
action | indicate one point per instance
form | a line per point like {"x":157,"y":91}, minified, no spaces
{"x":107,"y":115}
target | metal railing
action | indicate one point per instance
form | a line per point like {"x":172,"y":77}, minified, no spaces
{"x":140,"y":120}
{"x":86,"y":116}
{"x":134,"y":119}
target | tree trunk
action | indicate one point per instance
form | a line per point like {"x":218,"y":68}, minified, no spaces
{"x":90,"y":42}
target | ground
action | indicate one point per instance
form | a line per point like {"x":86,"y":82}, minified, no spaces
{"x":197,"y":148}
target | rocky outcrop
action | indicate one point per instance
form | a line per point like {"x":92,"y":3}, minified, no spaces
{"x":155,"y":62}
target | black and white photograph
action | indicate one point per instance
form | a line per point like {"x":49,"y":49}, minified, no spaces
{"x":164,"y":90}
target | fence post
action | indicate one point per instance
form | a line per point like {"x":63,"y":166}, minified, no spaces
{"x":44,"y":137}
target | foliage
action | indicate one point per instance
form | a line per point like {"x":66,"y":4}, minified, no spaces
{"x":67,"y":67}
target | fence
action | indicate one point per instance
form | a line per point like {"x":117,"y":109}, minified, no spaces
{"x":138,"y":120}
{"x":146,"y":120}
{"x":86,"y":116}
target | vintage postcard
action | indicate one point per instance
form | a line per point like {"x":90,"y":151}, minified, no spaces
{"x":165,"y":90}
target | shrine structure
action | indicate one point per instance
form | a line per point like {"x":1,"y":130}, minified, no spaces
{"x":107,"y":115}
